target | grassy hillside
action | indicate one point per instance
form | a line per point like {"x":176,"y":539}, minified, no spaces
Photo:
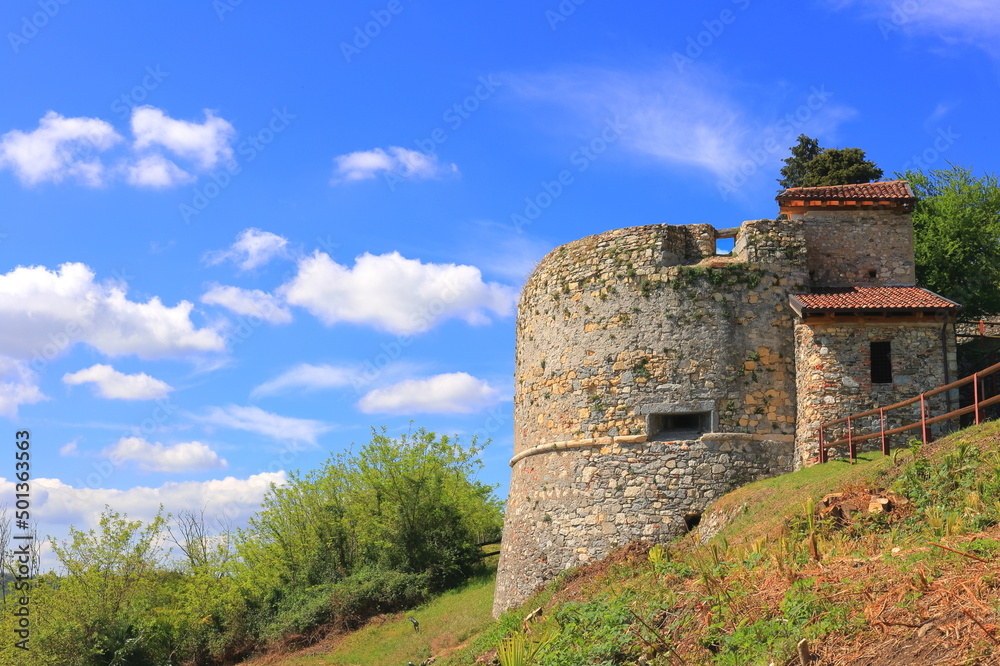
{"x":899,"y":566}
{"x":445,"y":624}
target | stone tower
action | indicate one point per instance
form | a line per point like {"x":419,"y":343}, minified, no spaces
{"x":653,"y":375}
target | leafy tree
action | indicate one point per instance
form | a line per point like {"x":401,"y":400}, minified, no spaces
{"x":956,"y":223}
{"x":796,"y":166}
{"x":371,"y":531}
{"x":812,"y":166}
{"x":101,"y":611}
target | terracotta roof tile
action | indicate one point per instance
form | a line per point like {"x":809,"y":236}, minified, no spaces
{"x":891,"y":190}
{"x":873,"y":298}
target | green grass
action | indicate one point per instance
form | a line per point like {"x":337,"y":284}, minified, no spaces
{"x":754,"y":590}
{"x":764,"y":505}
{"x":445,"y":622}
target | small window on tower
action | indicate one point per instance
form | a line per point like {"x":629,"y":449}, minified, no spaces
{"x":684,"y":425}
{"x":881,"y":362}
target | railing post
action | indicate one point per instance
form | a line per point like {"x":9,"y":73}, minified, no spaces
{"x":975,"y":395}
{"x":885,"y":440}
{"x":822,"y":447}
{"x":850,"y":440}
{"x":923,"y":419}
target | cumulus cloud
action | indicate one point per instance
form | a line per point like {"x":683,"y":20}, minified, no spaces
{"x":306,"y":377}
{"x":393,"y":293}
{"x":248,"y":302}
{"x":253,"y":248}
{"x":205,"y":143}
{"x":256,"y":420}
{"x":45,"y":312}
{"x":156,"y":457}
{"x":69,"y":149}
{"x":158,"y":172}
{"x":401,"y":162}
{"x":18,"y":386}
{"x":59,"y":149}
{"x":56,"y":503}
{"x":455,"y":392}
{"x":116,"y":385}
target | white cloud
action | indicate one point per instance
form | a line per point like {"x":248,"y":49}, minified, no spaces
{"x":182,"y":457}
{"x":253,"y":248}
{"x":63,"y":148}
{"x":683,"y":116}
{"x":158,"y":172}
{"x":69,"y":449}
{"x":45,"y":312}
{"x":456,"y":392}
{"x":256,"y":420}
{"x":116,"y":385}
{"x":393,"y":293}
{"x":56,"y":503}
{"x":308,"y":378}
{"x":401,"y":162}
{"x":18,"y":386}
{"x":249,"y":302}
{"x":58,"y":149}
{"x":206,"y":143}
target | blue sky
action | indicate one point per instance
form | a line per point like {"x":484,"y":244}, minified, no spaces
{"x":236,"y":236}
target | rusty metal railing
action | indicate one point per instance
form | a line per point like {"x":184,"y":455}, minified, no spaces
{"x":979,"y":404}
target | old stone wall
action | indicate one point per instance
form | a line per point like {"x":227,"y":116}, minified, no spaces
{"x":859,"y":247}
{"x":573,"y":505}
{"x":834,"y":376}
{"x":617,"y":328}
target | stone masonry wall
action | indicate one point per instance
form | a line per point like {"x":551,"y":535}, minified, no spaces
{"x":633,"y":322}
{"x":573,"y":506}
{"x":834,"y":376}
{"x":858,"y":247}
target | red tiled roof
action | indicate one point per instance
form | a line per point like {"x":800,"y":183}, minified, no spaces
{"x":891,"y":190}
{"x":872,"y":298}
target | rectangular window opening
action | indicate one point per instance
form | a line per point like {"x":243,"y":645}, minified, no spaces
{"x":688,"y":425}
{"x":881,"y":358}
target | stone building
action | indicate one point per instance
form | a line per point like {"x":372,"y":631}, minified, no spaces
{"x":653,"y":375}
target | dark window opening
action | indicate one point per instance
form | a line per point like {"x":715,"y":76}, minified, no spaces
{"x":692,"y":519}
{"x":688,"y":424}
{"x":872,"y":273}
{"x":881,"y":362}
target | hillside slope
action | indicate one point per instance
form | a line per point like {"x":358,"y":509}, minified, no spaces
{"x":898,"y":566}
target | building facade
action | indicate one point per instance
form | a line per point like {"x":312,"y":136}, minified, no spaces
{"x":653,"y":375}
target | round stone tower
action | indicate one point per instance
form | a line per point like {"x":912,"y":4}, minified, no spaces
{"x":651,"y":376}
